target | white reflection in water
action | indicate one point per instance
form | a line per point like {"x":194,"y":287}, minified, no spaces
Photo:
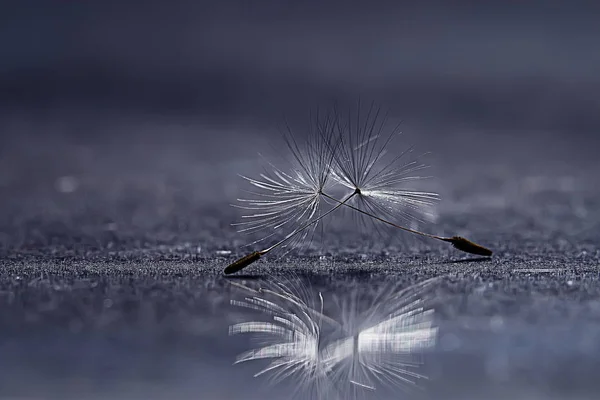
{"x":361,"y":345}
{"x":291,"y":339}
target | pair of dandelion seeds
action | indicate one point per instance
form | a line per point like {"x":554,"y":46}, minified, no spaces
{"x":343,"y":162}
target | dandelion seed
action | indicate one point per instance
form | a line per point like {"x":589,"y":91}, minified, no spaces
{"x":290,"y":199}
{"x":341,"y":152}
{"x":362,"y":164}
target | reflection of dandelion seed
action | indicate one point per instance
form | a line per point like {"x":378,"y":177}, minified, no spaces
{"x":361,"y":350}
{"x":385,"y":341}
{"x":291,"y":339}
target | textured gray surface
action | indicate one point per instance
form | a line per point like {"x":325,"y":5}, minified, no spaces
{"x":112,"y":247}
{"x":117,"y":168}
{"x":156,"y":330}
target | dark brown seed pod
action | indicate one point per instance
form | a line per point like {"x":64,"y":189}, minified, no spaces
{"x":242,"y":263}
{"x":467,"y":246}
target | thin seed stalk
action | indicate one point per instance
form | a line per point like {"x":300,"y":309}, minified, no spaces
{"x":248,"y":259}
{"x":458,"y":242}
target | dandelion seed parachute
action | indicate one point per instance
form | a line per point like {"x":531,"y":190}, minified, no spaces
{"x":343,"y":152}
{"x":281,"y":200}
{"x":364,"y":163}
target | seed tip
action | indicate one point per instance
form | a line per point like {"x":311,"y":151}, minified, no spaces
{"x":468,"y":246}
{"x":241,"y":263}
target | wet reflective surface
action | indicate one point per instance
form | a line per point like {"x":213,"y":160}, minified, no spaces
{"x":111,"y":285}
{"x":329,"y":353}
{"x":413,"y":331}
{"x":123,"y":129}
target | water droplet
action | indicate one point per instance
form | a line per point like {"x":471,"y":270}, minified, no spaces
{"x":497,"y":323}
{"x":223,"y":252}
{"x":66,"y":184}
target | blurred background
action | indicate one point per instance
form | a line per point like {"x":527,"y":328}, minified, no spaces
{"x":517,"y":65}
{"x":101,"y":101}
{"x":124,"y":124}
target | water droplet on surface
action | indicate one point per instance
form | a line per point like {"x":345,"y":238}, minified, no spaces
{"x":497,"y":323}
{"x":223,"y":252}
{"x":480,"y":289}
{"x":66,"y":184}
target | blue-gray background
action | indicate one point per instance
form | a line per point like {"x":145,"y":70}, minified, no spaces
{"x":123,"y":127}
